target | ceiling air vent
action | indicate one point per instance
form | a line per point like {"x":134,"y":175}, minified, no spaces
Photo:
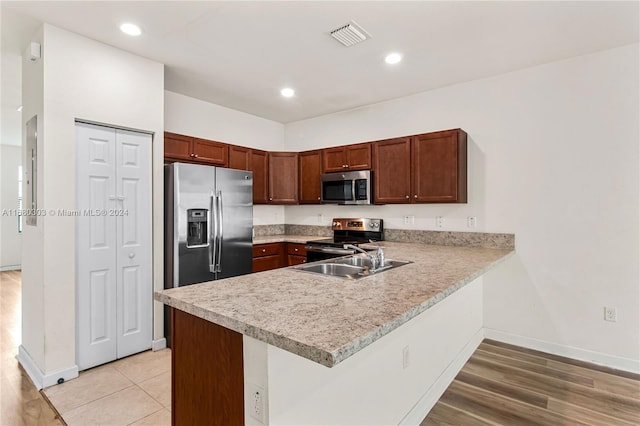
{"x":350,"y":34}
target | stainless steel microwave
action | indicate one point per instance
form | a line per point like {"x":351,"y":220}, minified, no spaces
{"x":347,"y":187}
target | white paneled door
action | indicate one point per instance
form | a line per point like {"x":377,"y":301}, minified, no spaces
{"x":114,"y":293}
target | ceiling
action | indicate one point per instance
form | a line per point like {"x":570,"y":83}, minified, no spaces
{"x":240,"y":54}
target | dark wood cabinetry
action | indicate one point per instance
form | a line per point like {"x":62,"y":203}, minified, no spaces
{"x":439,"y":167}
{"x":426,"y":168}
{"x":283,"y":177}
{"x":186,"y":148}
{"x":268,"y":256}
{"x":296,"y":254}
{"x":309,"y":170}
{"x":392,"y":171}
{"x":348,"y":157}
{"x":255,"y":161}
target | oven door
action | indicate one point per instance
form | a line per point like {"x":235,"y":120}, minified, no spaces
{"x":317,"y":252}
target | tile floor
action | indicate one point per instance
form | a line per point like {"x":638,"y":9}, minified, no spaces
{"x":132,"y":391}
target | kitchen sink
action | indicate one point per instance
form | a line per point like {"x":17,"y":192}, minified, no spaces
{"x":351,"y":267}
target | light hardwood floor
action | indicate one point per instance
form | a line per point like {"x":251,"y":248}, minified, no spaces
{"x":507,"y":385}
{"x":20,"y":402}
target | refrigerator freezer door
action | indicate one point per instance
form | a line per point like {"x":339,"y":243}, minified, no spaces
{"x":234,"y":253}
{"x":193,"y":187}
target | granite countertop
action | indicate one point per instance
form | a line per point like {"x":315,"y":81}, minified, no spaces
{"x":327,"y":319}
{"x":282,"y":238}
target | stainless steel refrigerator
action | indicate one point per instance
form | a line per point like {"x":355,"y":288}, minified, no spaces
{"x":209,"y":223}
{"x":208,"y":226}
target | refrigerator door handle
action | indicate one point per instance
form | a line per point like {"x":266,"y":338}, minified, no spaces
{"x":213,"y":234}
{"x":220,"y":232}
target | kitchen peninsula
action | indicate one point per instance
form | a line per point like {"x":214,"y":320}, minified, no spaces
{"x":288,"y":347}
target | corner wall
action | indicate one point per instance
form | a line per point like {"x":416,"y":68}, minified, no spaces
{"x":82,"y":79}
{"x":10,"y":239}
{"x":553,"y":158}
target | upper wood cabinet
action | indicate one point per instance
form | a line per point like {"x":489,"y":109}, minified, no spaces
{"x":392,"y":171}
{"x":239,"y":158}
{"x":178,"y":147}
{"x":439,"y":167}
{"x":260,"y":169}
{"x":186,"y":148}
{"x":427,"y":168}
{"x":283,"y":177}
{"x":310,"y":170}
{"x":349,"y":157}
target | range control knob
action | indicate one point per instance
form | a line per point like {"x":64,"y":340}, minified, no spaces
{"x":376,"y":225}
{"x":336,"y":223}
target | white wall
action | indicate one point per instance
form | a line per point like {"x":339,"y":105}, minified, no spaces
{"x":87,"y":80}
{"x":193,"y":117}
{"x":553,"y":158}
{"x":10,"y":239}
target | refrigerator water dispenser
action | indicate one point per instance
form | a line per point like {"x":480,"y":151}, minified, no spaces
{"x":197,"y":235}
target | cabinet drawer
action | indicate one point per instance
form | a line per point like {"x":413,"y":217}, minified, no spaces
{"x":270,"y":249}
{"x":296,"y":249}
{"x":266,"y":263}
{"x":293,"y":259}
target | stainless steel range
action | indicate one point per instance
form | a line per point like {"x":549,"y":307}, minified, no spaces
{"x":352,"y":231}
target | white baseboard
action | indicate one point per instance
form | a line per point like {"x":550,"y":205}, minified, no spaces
{"x":431,"y":397}
{"x":159,"y":344}
{"x":39,"y":379}
{"x":599,"y":358}
{"x":10,"y":268}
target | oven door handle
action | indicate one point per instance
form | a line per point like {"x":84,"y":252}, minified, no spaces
{"x":329,"y":250}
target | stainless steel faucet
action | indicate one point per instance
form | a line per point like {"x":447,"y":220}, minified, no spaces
{"x":377,"y":260}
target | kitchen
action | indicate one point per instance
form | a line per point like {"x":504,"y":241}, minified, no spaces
{"x":526,"y":129}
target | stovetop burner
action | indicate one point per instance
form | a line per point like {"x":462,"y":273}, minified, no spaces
{"x":352,"y":231}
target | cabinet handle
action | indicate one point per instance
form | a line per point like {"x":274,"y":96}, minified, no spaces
{"x":264,"y":250}
{"x":318,"y":198}
{"x":406,"y":196}
{"x":415,"y":196}
{"x":195,"y":155}
{"x":270,"y":199}
{"x":191,"y":155}
{"x":295,"y":249}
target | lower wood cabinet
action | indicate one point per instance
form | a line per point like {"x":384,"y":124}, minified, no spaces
{"x":268,"y":256}
{"x":296,"y":254}
{"x":277,"y":255}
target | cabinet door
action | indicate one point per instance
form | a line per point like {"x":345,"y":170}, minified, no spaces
{"x":210,"y":152}
{"x":239,"y":158}
{"x":309,"y":172}
{"x":440,"y":167}
{"x":359,"y":156}
{"x":295,"y":260}
{"x":392,"y":171}
{"x":177,"y":147}
{"x":260,"y":169}
{"x":283,"y":177}
{"x":334,"y":159}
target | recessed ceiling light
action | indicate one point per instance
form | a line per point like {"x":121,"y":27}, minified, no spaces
{"x":287,"y":92}
{"x":130,"y":29}
{"x":393,"y":58}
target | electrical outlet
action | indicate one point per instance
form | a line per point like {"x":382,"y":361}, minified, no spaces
{"x":471,"y":221}
{"x":405,"y":357}
{"x":256,"y":401}
{"x":440,"y":221}
{"x":610,"y":314}
{"x":409,"y":220}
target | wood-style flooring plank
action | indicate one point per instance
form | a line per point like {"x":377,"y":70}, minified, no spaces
{"x":445,"y":415}
{"x":503,"y":384}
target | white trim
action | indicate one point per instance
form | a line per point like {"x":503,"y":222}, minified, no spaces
{"x":158,"y":344}
{"x":39,"y":380}
{"x":431,"y":396}
{"x":10,"y":268}
{"x":599,"y":358}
